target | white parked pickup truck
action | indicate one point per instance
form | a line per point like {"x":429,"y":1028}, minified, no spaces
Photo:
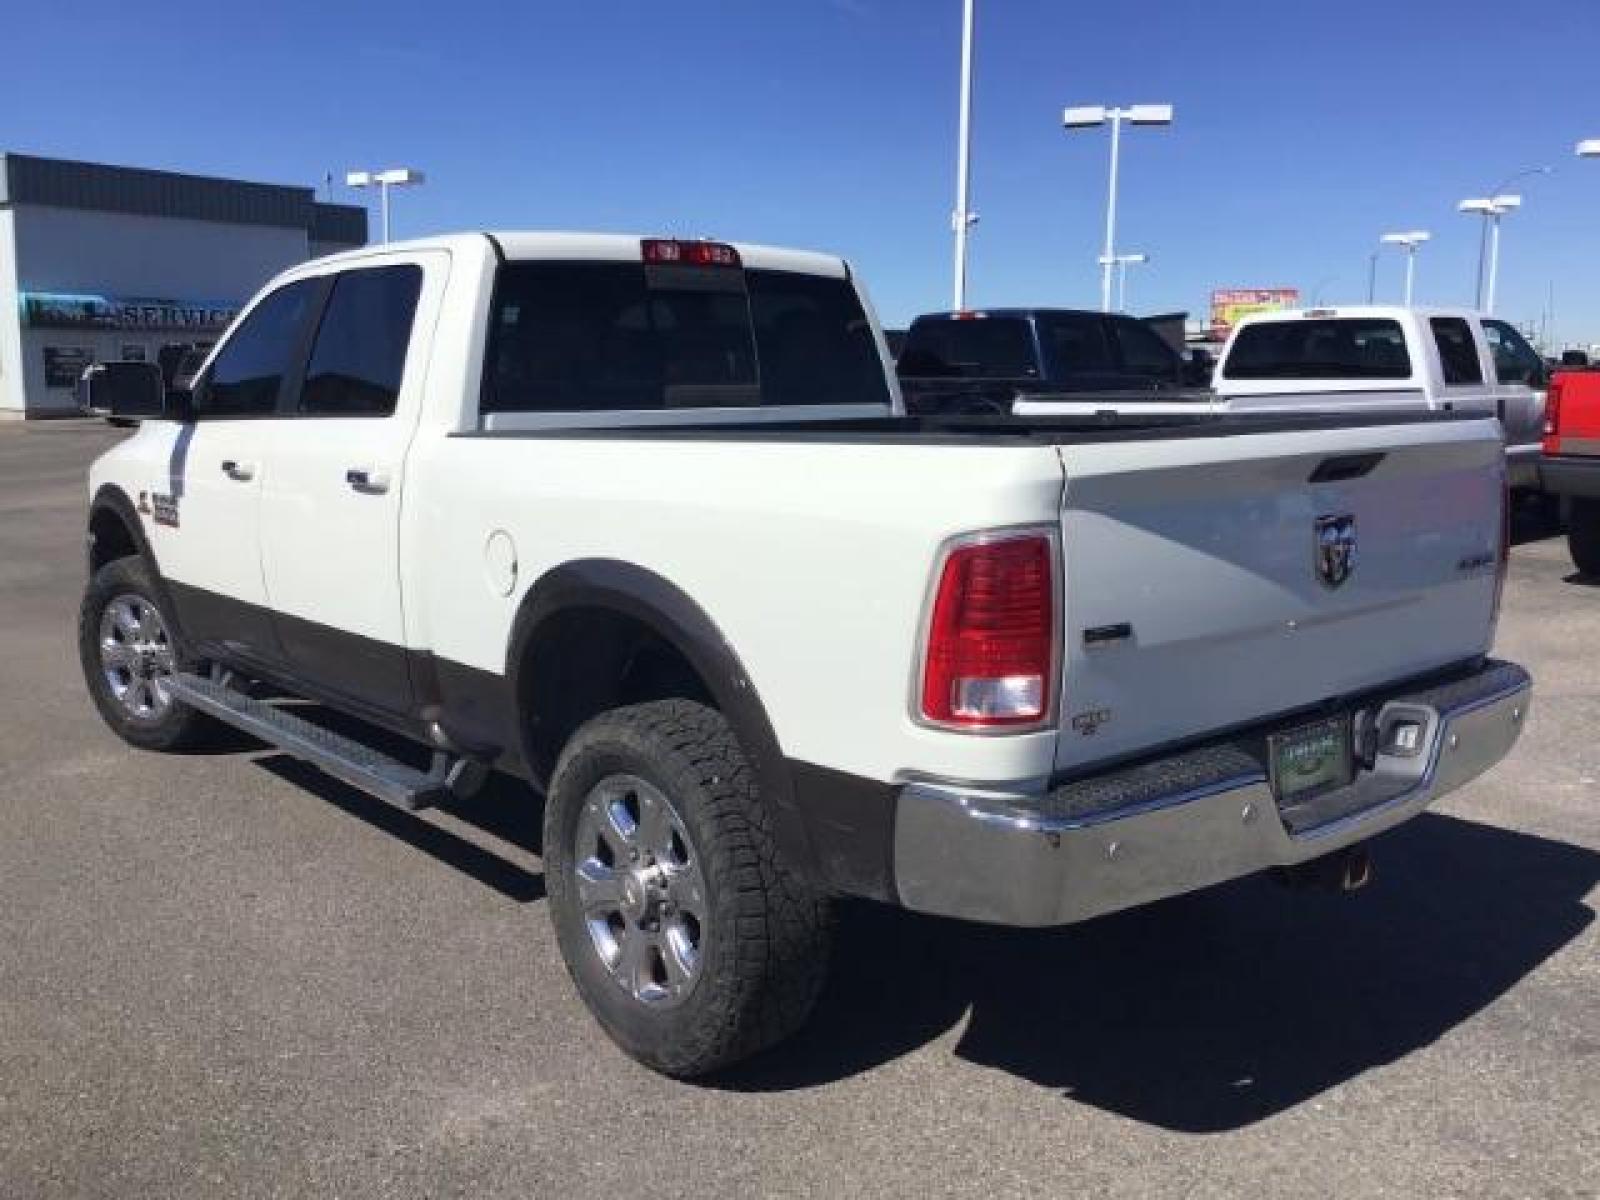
{"x":1361,"y":358}
{"x":640,"y":520}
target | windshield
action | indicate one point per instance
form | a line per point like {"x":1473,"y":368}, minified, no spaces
{"x":1332,"y":348}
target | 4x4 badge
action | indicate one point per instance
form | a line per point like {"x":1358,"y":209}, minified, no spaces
{"x":1335,"y":548}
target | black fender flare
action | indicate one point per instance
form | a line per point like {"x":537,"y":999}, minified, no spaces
{"x":111,"y":498}
{"x":668,"y":611}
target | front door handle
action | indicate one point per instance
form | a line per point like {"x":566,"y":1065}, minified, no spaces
{"x":367,"y":479}
{"x":241,"y":471}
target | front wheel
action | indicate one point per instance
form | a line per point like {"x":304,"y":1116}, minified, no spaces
{"x":688,"y":936}
{"x":129,"y":652}
{"x":1583,"y":535}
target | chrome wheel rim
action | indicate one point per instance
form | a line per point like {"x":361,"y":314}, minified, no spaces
{"x":136,"y":657}
{"x":641,"y":890}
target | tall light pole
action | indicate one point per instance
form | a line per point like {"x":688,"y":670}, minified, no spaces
{"x":1491,"y":207}
{"x":963,"y":219}
{"x":1410,"y":241}
{"x":1372,"y":275}
{"x":1089,"y":116}
{"x":383,"y":181}
{"x":1122,"y":262}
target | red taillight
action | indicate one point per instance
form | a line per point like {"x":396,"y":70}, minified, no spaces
{"x":1552,"y":417}
{"x":991,"y":636}
{"x":667,"y":251}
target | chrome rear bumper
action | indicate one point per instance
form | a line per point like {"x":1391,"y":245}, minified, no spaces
{"x":1196,"y":818}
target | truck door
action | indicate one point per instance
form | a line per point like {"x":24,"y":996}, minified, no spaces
{"x":330,"y":503}
{"x":206,"y":513}
{"x":1519,"y":377}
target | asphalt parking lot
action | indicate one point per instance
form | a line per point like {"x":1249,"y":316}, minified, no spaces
{"x":225,"y":975}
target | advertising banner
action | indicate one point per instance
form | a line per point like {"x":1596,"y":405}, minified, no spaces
{"x":65,"y":310}
{"x":1230,"y":304}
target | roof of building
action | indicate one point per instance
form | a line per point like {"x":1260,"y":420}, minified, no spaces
{"x":64,"y":183}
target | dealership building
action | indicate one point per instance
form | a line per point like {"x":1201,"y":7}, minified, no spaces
{"x":100,"y":263}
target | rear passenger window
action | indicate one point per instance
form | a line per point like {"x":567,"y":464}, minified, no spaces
{"x":1077,"y":345}
{"x":245,"y":379}
{"x":1143,"y":351}
{"x":1458,"y":356}
{"x":360,"y":353}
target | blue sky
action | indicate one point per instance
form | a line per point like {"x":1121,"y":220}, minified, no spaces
{"x":1303,"y":130}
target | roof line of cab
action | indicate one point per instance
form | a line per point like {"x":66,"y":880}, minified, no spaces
{"x":513,"y":245}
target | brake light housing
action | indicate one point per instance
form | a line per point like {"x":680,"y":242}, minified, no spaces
{"x":991,"y":648}
{"x":1552,"y":416}
{"x":676,"y":252}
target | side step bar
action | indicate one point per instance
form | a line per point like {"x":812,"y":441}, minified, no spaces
{"x":346,"y":759}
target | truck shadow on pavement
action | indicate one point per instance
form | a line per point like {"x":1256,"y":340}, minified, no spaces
{"x":1211,"y":1011}
{"x":1201,"y":1014}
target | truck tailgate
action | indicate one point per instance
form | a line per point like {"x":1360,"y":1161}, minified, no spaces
{"x":1212,"y":581}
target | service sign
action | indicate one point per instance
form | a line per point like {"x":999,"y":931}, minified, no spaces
{"x":66,"y":310}
{"x":1231,"y":305}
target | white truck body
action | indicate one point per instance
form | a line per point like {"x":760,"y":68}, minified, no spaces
{"x":1487,"y":368}
{"x":1216,"y":582}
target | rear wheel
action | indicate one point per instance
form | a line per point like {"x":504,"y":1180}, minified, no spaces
{"x":129,"y":652}
{"x":689,"y":937}
{"x":1583,"y":535}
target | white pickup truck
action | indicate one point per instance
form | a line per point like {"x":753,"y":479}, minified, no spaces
{"x":1364,"y":358}
{"x":640,"y":520}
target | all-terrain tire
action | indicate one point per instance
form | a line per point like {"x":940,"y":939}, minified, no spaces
{"x":172,"y":725}
{"x":1583,"y":535}
{"x":765,"y":935}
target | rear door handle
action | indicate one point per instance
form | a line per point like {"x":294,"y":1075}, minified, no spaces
{"x":242,"y":471}
{"x":367,"y":479}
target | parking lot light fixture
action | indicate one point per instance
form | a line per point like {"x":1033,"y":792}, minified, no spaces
{"x":1088,"y":117}
{"x":1410,"y":241}
{"x":383,"y":181}
{"x":1122,"y":262}
{"x":1588,"y":148}
{"x":1491,"y":206}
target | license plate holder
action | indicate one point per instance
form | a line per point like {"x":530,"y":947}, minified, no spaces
{"x":1311,"y":759}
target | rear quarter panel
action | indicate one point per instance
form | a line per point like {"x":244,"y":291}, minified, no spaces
{"x":813,"y":559}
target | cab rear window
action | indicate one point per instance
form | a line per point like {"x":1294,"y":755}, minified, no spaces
{"x":1333,"y":348}
{"x":583,"y":337}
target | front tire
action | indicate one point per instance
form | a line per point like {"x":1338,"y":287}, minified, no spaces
{"x":129,"y":649}
{"x":1583,"y":535}
{"x":690,"y":939}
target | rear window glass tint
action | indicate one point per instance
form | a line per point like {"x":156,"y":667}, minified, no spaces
{"x":573,"y":337}
{"x":1077,"y":345}
{"x":360,"y":352}
{"x":1458,"y":354}
{"x":1333,"y":348}
{"x":976,"y":348}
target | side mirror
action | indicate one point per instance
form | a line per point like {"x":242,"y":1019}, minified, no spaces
{"x":129,"y":391}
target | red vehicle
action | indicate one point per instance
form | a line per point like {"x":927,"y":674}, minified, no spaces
{"x":1570,"y":462}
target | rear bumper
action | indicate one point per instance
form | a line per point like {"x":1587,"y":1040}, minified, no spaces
{"x":1183,"y":822}
{"x":1522,"y":465}
{"x":1570,"y":475}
